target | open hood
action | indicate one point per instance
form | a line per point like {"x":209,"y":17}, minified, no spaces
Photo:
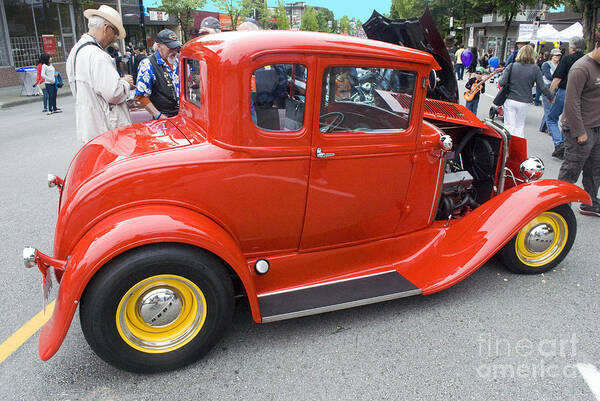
{"x":421,"y":34}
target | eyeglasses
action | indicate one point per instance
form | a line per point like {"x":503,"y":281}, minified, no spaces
{"x":115,"y":30}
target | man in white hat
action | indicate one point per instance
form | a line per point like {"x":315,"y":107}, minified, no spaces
{"x":99,"y":91}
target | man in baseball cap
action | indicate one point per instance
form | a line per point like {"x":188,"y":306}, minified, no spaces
{"x":168,"y":38}
{"x":209,"y":25}
{"x":157,"y":86}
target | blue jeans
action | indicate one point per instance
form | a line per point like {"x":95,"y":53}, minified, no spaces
{"x":472,"y":105}
{"x":460,"y":71}
{"x":45,"y":93}
{"x":553,"y":115}
{"x":538,"y":94}
{"x":51,"y":88}
{"x":547,"y":105}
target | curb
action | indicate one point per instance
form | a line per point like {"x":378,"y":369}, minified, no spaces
{"x":27,"y":99}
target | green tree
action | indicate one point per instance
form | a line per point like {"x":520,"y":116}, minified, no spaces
{"x":182,"y":10}
{"x":309,"y":20}
{"x":345,"y":25}
{"x":257,"y":9}
{"x":234,"y":9}
{"x":283,"y":22}
{"x":589,"y":16}
{"x":324,"y":18}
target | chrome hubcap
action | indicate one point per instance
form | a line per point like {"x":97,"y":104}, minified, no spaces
{"x":160,"y":307}
{"x":539,"y":238}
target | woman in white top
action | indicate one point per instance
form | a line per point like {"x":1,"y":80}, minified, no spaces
{"x":48,"y":73}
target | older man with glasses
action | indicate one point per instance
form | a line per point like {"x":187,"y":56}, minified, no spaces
{"x":100,"y":93}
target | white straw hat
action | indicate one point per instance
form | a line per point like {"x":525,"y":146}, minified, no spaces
{"x":109,"y":14}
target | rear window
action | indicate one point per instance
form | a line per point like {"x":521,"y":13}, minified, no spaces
{"x":192,"y":81}
{"x":278,"y":96}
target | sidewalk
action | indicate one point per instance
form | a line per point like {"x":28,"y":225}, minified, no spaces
{"x":11,"y":96}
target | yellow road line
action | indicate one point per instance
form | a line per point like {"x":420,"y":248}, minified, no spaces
{"x":27,"y":330}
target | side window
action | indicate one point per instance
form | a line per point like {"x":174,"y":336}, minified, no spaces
{"x":365,"y":99}
{"x":278,"y":96}
{"x":192,"y":81}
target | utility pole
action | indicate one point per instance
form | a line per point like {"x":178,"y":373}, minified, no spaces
{"x":143,"y":24}
{"x":121,"y":41}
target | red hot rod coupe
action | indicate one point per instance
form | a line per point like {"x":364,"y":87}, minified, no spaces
{"x":308,"y":172}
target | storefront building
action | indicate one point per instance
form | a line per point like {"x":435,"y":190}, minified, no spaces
{"x":487,"y":35}
{"x":31,"y":27}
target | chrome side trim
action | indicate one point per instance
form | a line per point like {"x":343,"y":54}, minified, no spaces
{"x":266,"y":294}
{"x":345,"y":305}
{"x":505,"y":138}
{"x":435,"y":193}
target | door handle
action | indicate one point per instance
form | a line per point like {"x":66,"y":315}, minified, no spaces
{"x":320,"y":155}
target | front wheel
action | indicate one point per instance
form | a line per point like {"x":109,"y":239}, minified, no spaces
{"x":157,"y":308}
{"x":543,"y":243}
{"x":492,"y":112}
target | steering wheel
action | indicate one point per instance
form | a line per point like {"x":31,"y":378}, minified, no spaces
{"x":339,"y":118}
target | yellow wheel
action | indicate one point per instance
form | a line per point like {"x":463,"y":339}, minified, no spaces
{"x":157,"y":308}
{"x":161,"y":313}
{"x":542,"y":243}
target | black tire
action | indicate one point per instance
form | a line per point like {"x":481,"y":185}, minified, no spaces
{"x":536,"y":256}
{"x":492,"y":112}
{"x":198,"y":307}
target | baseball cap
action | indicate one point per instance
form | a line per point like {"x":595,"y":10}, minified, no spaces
{"x":212,"y":23}
{"x":480,"y":69}
{"x":168,"y":37}
{"x":555,"y":52}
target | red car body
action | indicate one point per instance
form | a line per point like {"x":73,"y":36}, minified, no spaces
{"x":212,"y":179}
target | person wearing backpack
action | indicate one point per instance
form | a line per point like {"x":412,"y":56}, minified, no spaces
{"x":49,"y":75}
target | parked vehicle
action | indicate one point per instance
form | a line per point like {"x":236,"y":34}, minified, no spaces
{"x":306,"y":172}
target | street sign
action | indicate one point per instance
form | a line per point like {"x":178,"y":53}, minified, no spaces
{"x":48,"y":44}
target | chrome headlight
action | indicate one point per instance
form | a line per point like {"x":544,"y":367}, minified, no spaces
{"x":532,"y":169}
{"x":29,"y":257}
{"x":446,"y":142}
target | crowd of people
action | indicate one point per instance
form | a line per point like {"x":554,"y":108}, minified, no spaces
{"x":102,"y":82}
{"x":568,"y":86}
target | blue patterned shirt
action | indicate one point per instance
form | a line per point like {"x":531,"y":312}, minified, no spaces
{"x":146,"y":75}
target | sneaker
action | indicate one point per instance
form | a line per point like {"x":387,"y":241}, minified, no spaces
{"x":589,"y":210}
{"x":48,"y":113}
{"x":45,"y":111}
{"x":559,"y":151}
{"x":58,"y":111}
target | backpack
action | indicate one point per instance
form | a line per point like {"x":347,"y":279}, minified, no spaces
{"x":58,"y":80}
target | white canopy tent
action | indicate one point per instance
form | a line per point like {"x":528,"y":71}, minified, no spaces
{"x":574,"y":30}
{"x":548,"y":33}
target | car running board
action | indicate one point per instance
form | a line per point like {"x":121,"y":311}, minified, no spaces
{"x":340,"y":294}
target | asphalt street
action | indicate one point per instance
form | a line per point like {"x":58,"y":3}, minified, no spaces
{"x":494,"y":336}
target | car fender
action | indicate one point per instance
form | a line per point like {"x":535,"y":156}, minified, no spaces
{"x":129,"y":229}
{"x":461,"y":246}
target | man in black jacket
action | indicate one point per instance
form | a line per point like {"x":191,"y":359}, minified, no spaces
{"x":157,"y":84}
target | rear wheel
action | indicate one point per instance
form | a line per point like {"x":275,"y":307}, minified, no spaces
{"x":492,"y":112}
{"x":543,"y":243}
{"x":157,"y":308}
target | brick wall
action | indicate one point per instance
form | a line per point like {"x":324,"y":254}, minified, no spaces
{"x":10,"y":77}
